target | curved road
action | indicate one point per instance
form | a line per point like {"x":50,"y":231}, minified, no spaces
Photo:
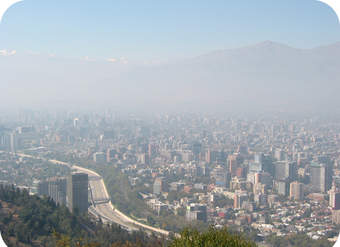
{"x":102,"y":206}
{"x":99,"y":193}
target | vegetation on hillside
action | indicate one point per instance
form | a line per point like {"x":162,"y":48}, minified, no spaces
{"x":300,"y":240}
{"x":210,"y":238}
{"x":32,"y":221}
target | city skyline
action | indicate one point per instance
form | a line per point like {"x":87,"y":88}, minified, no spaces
{"x":273,"y":176}
{"x":132,"y":121}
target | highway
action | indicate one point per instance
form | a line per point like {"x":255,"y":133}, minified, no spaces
{"x":101,"y":204}
{"x":104,"y":207}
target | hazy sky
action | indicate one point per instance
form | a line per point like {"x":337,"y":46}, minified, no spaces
{"x":154,"y":29}
{"x":43,"y":45}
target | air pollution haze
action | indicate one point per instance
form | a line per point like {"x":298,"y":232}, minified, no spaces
{"x":169,"y":123}
{"x":267,"y":76}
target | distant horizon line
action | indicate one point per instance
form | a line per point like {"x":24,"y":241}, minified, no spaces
{"x":123,"y":60}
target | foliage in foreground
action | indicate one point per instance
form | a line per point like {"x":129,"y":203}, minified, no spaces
{"x":300,"y":240}
{"x":188,"y":238}
{"x":211,"y":238}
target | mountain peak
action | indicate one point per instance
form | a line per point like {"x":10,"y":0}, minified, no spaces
{"x":268,"y":44}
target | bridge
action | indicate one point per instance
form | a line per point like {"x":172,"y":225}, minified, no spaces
{"x":94,"y":178}
{"x":101,"y":201}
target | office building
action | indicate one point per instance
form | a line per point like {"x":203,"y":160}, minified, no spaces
{"x":282,"y":187}
{"x":176,"y":186}
{"x":240,"y":197}
{"x":211,"y":156}
{"x":43,"y":188}
{"x":334,"y":198}
{"x":255,"y":167}
{"x":285,"y":170}
{"x":258,"y":157}
{"x":336,"y":217}
{"x":320,"y":177}
{"x":13,"y":142}
{"x":196,"y":150}
{"x":196,"y":212}
{"x":159,"y":186}
{"x":296,"y":191}
{"x":221,"y":176}
{"x":264,"y":178}
{"x":232,"y":164}
{"x":77,"y":192}
{"x":279,"y":154}
{"x":99,"y":157}
{"x":57,"y":190}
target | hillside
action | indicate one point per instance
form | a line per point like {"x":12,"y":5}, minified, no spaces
{"x":30,"y":221}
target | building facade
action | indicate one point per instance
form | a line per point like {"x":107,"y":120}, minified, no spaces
{"x":77,"y":192}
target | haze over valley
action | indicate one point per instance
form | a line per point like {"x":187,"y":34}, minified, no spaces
{"x":267,"y":76}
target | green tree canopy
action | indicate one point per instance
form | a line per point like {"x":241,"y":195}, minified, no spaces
{"x":211,"y":238}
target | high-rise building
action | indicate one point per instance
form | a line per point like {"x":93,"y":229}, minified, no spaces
{"x":255,"y":167}
{"x":259,"y":188}
{"x":196,"y":212}
{"x":208,"y":156}
{"x":201,"y":170}
{"x":211,"y":156}
{"x":76,"y":122}
{"x":221,"y":176}
{"x":4,"y":140}
{"x":110,"y":155}
{"x":57,"y":190}
{"x":258,"y":158}
{"x":336,"y":216}
{"x":196,"y":150}
{"x":187,"y":155}
{"x":285,"y":170}
{"x":240,"y":172}
{"x":43,"y":188}
{"x":281,"y":170}
{"x":159,"y":186}
{"x":242,"y":149}
{"x":239,"y":198}
{"x":99,"y":157}
{"x":282,"y":187}
{"x":251,"y":177}
{"x":267,"y":164}
{"x":320,"y":177}
{"x":143,"y":158}
{"x":77,"y":192}
{"x":232,"y":164}
{"x":13,"y":142}
{"x":293,"y":171}
{"x":151,"y":150}
{"x":296,"y":191}
{"x":334,"y":198}
{"x":264,"y":178}
{"x":261,"y":199}
{"x":279,"y":154}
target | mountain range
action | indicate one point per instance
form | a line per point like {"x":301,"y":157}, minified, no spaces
{"x":263,"y":77}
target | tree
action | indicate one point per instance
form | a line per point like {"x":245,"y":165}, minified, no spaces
{"x":211,"y":238}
